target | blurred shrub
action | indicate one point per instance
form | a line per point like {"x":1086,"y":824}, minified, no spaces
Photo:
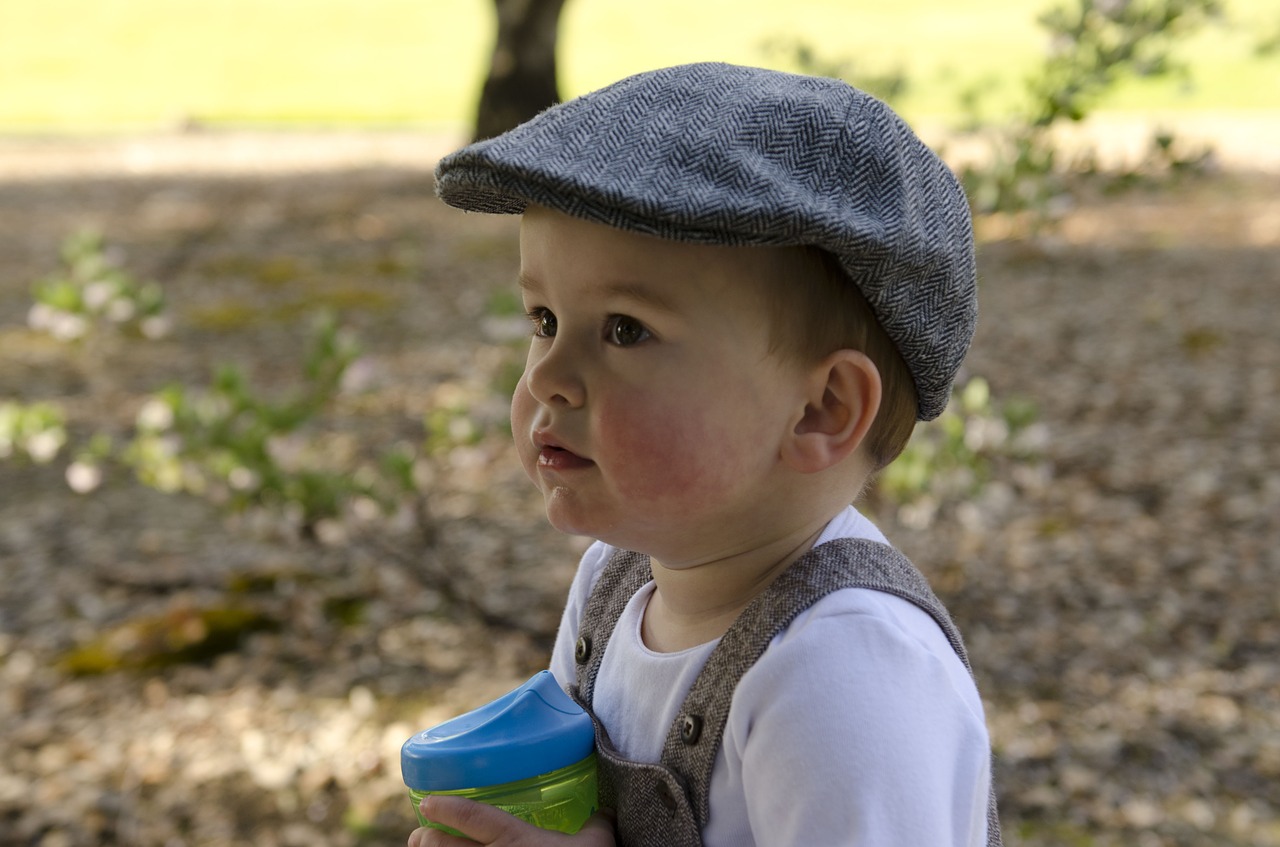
{"x":241,"y":447}
{"x":35,"y":432}
{"x":1269,"y":43}
{"x":1094,"y":44}
{"x":953,"y":457}
{"x":90,"y":291}
{"x":237,"y":445}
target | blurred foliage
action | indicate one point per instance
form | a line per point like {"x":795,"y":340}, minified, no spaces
{"x":282,"y":455}
{"x":1269,"y":42}
{"x":952,"y":457}
{"x":1094,"y":44}
{"x":240,"y":446}
{"x":35,"y":431}
{"x":235,"y":444}
{"x":90,"y":291}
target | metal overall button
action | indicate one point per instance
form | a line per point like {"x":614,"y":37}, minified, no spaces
{"x":690,"y":729}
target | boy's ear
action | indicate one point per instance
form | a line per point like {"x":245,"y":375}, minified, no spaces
{"x":842,"y":399}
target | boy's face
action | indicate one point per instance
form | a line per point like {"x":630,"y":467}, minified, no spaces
{"x":651,"y":412}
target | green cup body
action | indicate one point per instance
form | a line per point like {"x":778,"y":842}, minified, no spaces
{"x":561,"y":800}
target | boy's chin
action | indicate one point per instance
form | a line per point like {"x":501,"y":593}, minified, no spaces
{"x":568,"y":527}
{"x":566,"y":518}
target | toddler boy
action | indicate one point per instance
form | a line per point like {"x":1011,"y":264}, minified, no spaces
{"x":744,"y":288}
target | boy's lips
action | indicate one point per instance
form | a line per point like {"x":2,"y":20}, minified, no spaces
{"x":552,"y":455}
{"x":557,"y":459}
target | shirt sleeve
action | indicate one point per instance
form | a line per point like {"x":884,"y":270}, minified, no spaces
{"x":858,"y":727}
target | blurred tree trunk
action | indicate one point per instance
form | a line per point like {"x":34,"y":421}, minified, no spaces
{"x":522,"y":73}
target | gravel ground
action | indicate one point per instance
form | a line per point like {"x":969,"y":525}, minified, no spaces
{"x":1120,"y":593}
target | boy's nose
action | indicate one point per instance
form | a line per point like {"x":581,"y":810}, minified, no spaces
{"x":554,"y":379}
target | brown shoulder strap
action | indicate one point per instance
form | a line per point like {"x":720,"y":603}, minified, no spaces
{"x":694,"y":738}
{"x":624,"y":574}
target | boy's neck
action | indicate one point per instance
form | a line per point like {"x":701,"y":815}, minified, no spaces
{"x":697,"y":603}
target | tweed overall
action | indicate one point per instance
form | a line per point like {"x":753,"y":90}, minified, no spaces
{"x":667,"y":804}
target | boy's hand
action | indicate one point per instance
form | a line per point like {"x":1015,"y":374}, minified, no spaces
{"x":485,"y":824}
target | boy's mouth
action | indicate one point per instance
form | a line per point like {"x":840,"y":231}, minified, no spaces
{"x":556,"y":458}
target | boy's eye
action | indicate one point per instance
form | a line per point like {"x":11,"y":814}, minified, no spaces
{"x":625,"y":331}
{"x":544,"y":323}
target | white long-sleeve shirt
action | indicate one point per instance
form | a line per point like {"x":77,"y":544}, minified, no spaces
{"x":858,"y":726}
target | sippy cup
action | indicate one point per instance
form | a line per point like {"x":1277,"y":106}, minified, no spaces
{"x":530,"y":753}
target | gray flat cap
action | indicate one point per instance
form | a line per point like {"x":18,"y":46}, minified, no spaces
{"x":721,"y":154}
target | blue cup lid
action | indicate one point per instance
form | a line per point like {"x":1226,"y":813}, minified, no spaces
{"x":532,"y":730}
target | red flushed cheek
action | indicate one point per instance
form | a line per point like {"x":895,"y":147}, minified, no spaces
{"x":663,"y":455}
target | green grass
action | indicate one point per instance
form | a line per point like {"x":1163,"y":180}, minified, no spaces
{"x":87,"y":65}
{"x":69,"y":64}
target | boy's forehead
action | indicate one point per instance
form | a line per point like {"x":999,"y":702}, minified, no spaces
{"x":549,"y":234}
{"x":625,"y":258}
{"x":543,"y":221}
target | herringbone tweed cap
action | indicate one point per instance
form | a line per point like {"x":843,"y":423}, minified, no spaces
{"x":721,"y":154}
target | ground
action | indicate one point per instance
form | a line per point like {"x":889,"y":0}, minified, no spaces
{"x":1117,"y":590}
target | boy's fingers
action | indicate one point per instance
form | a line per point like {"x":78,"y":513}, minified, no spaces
{"x":426,"y":837}
{"x":485,"y":824}
{"x":479,"y":821}
{"x":599,"y":828}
